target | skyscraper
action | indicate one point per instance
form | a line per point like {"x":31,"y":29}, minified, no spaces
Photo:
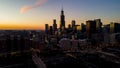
{"x":51,"y":30}
{"x":90,"y":28}
{"x":73,"y":24}
{"x":114,"y":27}
{"x":69,"y":26}
{"x":62,"y":20}
{"x":54,"y":25}
{"x":83,"y":27}
{"x":98,"y":25}
{"x":46,"y":28}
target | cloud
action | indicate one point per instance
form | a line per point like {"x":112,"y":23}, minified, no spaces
{"x":35,"y":5}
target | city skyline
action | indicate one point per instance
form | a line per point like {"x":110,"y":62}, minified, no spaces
{"x":44,"y":11}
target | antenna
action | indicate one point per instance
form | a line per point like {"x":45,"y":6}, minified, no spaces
{"x":62,"y":7}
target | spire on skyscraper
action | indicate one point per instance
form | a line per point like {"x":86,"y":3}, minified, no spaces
{"x":62,"y":11}
{"x":62,"y":19}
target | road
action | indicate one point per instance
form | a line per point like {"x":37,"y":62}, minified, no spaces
{"x":39,"y":63}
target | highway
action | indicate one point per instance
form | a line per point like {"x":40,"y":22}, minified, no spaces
{"x":39,"y":63}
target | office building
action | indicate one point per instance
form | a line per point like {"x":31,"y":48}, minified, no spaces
{"x":62,"y":20}
{"x":51,"y":30}
{"x":98,"y":25}
{"x":114,"y":27}
{"x":73,"y":24}
{"x":54,"y":26}
{"x":90,"y":28}
{"x":46,"y":28}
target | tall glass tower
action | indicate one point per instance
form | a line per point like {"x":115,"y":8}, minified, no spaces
{"x":62,"y":20}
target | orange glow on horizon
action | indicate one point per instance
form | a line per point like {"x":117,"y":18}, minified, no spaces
{"x":20,"y":27}
{"x":34,"y":24}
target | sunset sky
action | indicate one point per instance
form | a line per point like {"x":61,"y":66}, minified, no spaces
{"x":33,"y":14}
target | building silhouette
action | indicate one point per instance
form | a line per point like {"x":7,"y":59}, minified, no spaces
{"x":98,"y":25}
{"x":51,"y":30}
{"x":46,"y":28}
{"x":90,"y":28}
{"x":83,"y":28}
{"x":54,"y":26}
{"x":69,"y":26}
{"x":114,"y":27}
{"x":73,"y":24}
{"x":62,"y":20}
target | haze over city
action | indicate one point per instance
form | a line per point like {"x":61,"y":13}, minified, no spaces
{"x":34,"y":14}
